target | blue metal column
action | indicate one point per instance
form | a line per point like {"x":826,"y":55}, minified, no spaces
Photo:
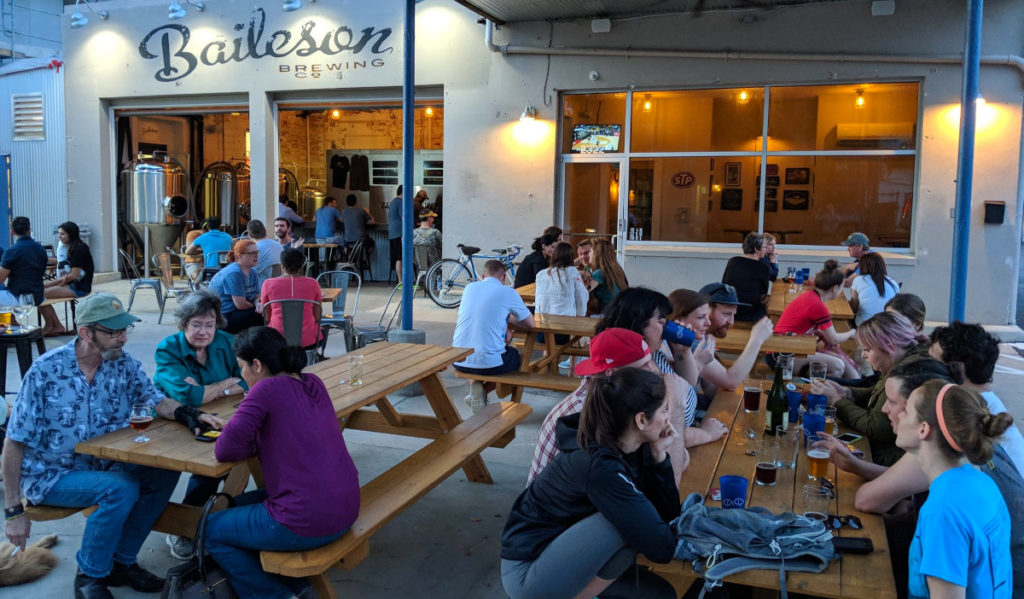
{"x":408,"y":141}
{"x":965,"y":164}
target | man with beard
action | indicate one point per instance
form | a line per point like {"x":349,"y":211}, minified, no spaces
{"x":714,"y":375}
{"x":283,"y":230}
{"x":73,"y":393}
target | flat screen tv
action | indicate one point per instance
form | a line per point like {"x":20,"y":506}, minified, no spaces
{"x":595,"y":139}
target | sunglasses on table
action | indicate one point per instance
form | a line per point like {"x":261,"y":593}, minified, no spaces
{"x":835,"y":522}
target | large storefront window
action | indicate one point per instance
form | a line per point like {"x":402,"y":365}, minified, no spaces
{"x":838,"y":158}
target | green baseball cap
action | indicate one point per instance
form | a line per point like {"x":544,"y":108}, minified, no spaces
{"x":103,"y":309}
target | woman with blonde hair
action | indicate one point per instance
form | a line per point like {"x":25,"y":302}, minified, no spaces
{"x":238,"y":286}
{"x":608,"y":278}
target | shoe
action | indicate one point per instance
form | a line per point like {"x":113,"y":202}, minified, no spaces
{"x":477,"y":398}
{"x":87,"y":587}
{"x":565,"y":364}
{"x":135,"y":577}
{"x":181,"y":547}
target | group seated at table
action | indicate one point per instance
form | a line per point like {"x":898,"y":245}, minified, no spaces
{"x":292,"y":284}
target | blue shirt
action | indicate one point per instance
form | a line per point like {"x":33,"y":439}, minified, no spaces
{"x":355,"y":220}
{"x":26,"y":260}
{"x":327,"y":218}
{"x":270,"y":254}
{"x":212,"y":242}
{"x":176,"y":361}
{"x":230,"y":281}
{"x":57,"y":407}
{"x":963,"y":537}
{"x":395,"y":218}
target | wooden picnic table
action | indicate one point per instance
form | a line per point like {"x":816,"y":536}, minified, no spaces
{"x":387,"y":367}
{"x":528,"y":293}
{"x":781,"y":297}
{"x":799,"y":345}
{"x":852,"y":577}
{"x":575,"y":327}
{"x":329,"y":293}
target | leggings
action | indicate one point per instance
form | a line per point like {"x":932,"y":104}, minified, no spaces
{"x":591,"y":547}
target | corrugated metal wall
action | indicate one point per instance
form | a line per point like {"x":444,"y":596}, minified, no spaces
{"x":38,"y":168}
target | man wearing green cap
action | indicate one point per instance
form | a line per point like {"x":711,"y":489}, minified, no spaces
{"x":76,"y":392}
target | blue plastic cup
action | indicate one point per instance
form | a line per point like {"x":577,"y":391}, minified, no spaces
{"x":799,"y":278}
{"x":814,"y":423}
{"x":814,"y":400}
{"x":677,"y":333}
{"x":793,"y":400}
{"x":734,"y":491}
{"x":807,"y":273}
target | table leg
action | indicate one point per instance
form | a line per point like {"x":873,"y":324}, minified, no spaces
{"x":24,"y":351}
{"x":475,"y":469}
{"x":528,"y":343}
{"x":3,"y":367}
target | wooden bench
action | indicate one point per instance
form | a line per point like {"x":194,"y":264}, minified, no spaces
{"x":388,"y":495}
{"x":71,"y":302}
{"x":45,"y":513}
{"x":512,"y":383}
{"x":583,"y":352}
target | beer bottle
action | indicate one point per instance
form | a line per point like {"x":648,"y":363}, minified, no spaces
{"x":776,"y":408}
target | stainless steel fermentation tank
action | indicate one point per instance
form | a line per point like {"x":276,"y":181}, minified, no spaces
{"x":157,"y":191}
{"x":223,"y":191}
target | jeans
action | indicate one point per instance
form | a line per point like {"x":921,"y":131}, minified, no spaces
{"x":201,"y":488}
{"x":129,"y":503}
{"x":239,"y":320}
{"x":235,"y":536}
{"x":589,"y":548}
{"x":510,"y":362}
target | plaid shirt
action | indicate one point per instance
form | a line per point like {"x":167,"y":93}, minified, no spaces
{"x":547,"y":444}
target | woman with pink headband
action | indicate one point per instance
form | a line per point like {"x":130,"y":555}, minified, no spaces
{"x":961,"y":547}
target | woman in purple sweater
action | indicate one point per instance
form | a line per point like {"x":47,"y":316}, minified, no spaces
{"x":311,"y":497}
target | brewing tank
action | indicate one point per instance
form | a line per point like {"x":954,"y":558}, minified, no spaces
{"x":310,"y":198}
{"x":243,"y":192}
{"x":158,"y":193}
{"x":218,"y":193}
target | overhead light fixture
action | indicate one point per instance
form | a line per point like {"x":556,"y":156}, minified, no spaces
{"x":335,"y":114}
{"x":601,"y":25}
{"x":647,"y":103}
{"x":291,"y":5}
{"x":529,"y":113}
{"x":78,"y":20}
{"x":175,"y":10}
{"x":428,"y":111}
{"x":743,"y":97}
{"x":199,"y":6}
{"x":859,"y":102}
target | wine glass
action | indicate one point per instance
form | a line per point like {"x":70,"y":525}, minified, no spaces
{"x":25,"y":310}
{"x":140,"y":419}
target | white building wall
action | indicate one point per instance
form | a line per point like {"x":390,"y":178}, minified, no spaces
{"x":501,"y":182}
{"x":31,"y":28}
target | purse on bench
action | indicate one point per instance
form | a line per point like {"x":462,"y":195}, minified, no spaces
{"x":200,"y":577}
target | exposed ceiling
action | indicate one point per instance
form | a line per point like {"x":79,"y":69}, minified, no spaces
{"x":511,"y":11}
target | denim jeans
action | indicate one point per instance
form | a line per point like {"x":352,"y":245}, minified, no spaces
{"x":510,"y":362}
{"x":201,"y":488}
{"x":129,"y":503}
{"x":235,"y":536}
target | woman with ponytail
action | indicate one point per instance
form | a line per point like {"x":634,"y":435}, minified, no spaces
{"x":607,"y":495}
{"x":961,"y":547}
{"x":311,"y":497}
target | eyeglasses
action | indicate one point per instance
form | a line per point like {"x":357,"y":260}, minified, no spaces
{"x":202,"y":326}
{"x":111,"y":332}
{"x":833,"y":521}
{"x":252,"y":253}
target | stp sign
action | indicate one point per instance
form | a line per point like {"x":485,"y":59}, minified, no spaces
{"x":683,"y":180}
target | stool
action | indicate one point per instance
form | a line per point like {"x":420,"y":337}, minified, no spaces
{"x":22,"y":343}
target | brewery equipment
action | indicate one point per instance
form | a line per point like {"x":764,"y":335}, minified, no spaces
{"x":157,"y":193}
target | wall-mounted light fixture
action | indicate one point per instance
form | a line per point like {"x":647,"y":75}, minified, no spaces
{"x":648,"y":104}
{"x":293,"y":5}
{"x":859,"y":102}
{"x":175,"y":10}
{"x":529,"y":113}
{"x":78,"y":20}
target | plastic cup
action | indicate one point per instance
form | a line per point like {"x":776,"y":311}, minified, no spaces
{"x":807,"y":273}
{"x":814,"y":423}
{"x":799,"y":280}
{"x":814,"y":400}
{"x":793,"y":401}
{"x":734,"y":491}
{"x":355,"y":370}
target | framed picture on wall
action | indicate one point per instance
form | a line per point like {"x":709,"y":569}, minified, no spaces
{"x":772,"y":181}
{"x":732,"y":199}
{"x":795,"y":199}
{"x":770,"y":205}
{"x":772,"y":170}
{"x":798,"y":176}
{"x":732,"y":174}
{"x":771,"y":193}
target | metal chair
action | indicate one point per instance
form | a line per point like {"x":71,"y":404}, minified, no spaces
{"x":222,"y":258}
{"x":355,"y":258}
{"x":339,"y":318}
{"x":162,"y":264}
{"x":137,"y":281}
{"x":293,"y":313}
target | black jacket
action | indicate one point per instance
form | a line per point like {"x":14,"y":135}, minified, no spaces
{"x":528,"y":269}
{"x":636,"y":495}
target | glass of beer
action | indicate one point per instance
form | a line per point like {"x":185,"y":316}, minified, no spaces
{"x":355,"y":370}
{"x":817,"y":458}
{"x":140,"y":419}
{"x":816,"y":501}
{"x":831,"y":423}
{"x":5,"y":315}
{"x":751,"y":395}
{"x":766,"y":469}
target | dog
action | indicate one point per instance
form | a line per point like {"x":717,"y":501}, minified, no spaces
{"x":34,"y":562}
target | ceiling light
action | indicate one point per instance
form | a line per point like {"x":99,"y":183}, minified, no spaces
{"x":743,"y":97}
{"x":291,"y":5}
{"x":78,"y":20}
{"x":335,"y":114}
{"x":175,"y":11}
{"x":529,"y":113}
{"x":428,"y":111}
{"x":647,"y":103}
{"x":859,"y":102}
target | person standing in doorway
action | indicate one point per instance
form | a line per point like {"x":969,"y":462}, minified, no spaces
{"x":395,"y":233}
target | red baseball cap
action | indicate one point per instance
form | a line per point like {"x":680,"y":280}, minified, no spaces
{"x":613,"y":348}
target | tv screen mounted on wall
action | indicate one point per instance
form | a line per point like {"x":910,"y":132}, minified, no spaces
{"x":595,"y":139}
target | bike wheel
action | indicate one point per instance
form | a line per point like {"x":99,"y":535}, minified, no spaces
{"x":446,"y":280}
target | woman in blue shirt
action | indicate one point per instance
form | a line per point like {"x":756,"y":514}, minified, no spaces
{"x":238,"y":286}
{"x":961,"y":547}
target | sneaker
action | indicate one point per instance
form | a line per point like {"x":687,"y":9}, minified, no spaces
{"x":565,"y":364}
{"x":477,"y":398}
{"x":181,"y":547}
{"x":135,"y":577}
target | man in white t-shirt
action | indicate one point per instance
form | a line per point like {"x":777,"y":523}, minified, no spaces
{"x":270,"y":249}
{"x":487,"y":308}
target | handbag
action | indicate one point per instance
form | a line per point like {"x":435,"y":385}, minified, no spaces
{"x":200,"y":577}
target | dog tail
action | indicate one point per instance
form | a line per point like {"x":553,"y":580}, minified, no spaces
{"x":35,"y":562}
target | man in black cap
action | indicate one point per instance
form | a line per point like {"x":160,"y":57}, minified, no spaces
{"x":715,"y":375}
{"x":857,"y":245}
{"x":76,"y":392}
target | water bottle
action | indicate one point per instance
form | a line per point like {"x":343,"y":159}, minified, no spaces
{"x":677,"y":333}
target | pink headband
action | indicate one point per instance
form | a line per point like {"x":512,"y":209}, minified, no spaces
{"x":942,"y":419}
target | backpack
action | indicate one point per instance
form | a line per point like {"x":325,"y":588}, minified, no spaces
{"x":721,"y":542}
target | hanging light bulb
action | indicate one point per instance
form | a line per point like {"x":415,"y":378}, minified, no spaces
{"x":428,"y":111}
{"x":743,"y":97}
{"x":291,"y":5}
{"x":175,"y":11}
{"x":859,"y":102}
{"x":335,"y":114}
{"x":647,"y":103}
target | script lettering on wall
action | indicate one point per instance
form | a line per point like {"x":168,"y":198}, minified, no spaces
{"x":170,"y":45}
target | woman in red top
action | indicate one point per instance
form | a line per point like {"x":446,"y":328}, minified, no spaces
{"x":808,"y":314}
{"x":292,"y":285}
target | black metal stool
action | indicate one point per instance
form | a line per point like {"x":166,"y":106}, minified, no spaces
{"x":22,"y":343}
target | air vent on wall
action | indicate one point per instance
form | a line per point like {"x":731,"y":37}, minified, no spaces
{"x":873,"y":135}
{"x":28,"y":117}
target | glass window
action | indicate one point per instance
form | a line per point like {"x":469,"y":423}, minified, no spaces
{"x":591,"y":198}
{"x":595,"y":123}
{"x":700,"y":120}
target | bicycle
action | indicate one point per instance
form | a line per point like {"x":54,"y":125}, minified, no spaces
{"x":446,"y":279}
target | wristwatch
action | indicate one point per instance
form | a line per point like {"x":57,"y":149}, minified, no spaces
{"x":227,"y":391}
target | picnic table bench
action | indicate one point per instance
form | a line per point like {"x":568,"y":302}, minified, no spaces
{"x":387,"y":367}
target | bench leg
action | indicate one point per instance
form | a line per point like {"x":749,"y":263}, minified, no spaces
{"x":475,"y":469}
{"x":322,"y":586}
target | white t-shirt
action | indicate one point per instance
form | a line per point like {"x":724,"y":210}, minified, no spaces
{"x":483,"y":319}
{"x":1012,"y":441}
{"x":867,"y":294}
{"x":561,"y":293}
{"x":270,"y":254}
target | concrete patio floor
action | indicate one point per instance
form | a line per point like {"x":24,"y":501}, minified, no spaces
{"x":447,"y":544}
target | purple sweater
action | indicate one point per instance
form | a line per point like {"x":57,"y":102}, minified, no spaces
{"x":290,"y":425}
